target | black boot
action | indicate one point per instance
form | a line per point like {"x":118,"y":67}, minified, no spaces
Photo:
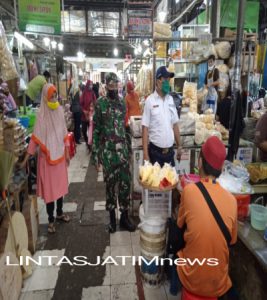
{"x":112,"y":225}
{"x":125,"y":222}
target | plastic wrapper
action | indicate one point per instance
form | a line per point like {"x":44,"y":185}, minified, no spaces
{"x":223,"y":50}
{"x":223,"y":68}
{"x":8,"y":69}
{"x":224,"y":82}
{"x":236,"y":169}
{"x":234,"y":185}
{"x":144,"y":82}
{"x":257,"y":171}
{"x":136,"y":126}
{"x":163,"y":29}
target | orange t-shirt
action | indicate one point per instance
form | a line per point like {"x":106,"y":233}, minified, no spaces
{"x":132,"y":103}
{"x":204,"y":239}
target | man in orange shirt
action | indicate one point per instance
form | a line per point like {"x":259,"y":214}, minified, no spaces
{"x":203,"y":236}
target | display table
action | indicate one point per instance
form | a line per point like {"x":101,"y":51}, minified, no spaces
{"x":248,"y":263}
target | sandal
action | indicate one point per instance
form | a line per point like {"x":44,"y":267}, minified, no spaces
{"x":51,"y":228}
{"x":64,"y":218}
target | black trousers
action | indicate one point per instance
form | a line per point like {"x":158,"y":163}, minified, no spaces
{"x":50,"y":209}
{"x":85,"y":125}
{"x":156,"y":155}
{"x":77,"y":126}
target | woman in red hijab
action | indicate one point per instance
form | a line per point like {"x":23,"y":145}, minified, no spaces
{"x":87,"y":97}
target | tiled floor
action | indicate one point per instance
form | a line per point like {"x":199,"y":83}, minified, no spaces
{"x":119,"y":282}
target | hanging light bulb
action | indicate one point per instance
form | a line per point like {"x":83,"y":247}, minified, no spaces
{"x":54,"y":44}
{"x":116,"y":52}
{"x":46,"y":41}
{"x":139,"y":49}
{"x":60,"y":46}
{"x":135,"y":51}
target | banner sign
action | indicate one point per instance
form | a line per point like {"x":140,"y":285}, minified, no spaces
{"x":40,"y":16}
{"x":140,"y":23}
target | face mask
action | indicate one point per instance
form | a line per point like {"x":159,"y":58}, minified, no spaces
{"x":165,"y":88}
{"x":211,"y":68}
{"x":112,"y":94}
{"x":53,"y":105}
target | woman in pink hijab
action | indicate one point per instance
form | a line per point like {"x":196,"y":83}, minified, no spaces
{"x":49,"y":138}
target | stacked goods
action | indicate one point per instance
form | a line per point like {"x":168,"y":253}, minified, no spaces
{"x":14,"y":137}
{"x":162,"y":30}
{"x":190,"y":96}
{"x":171,"y":69}
{"x":7,"y":66}
{"x":201,"y":52}
{"x":257,"y":171}
{"x":206,"y":127}
{"x":153,"y":176}
{"x":144,"y":82}
{"x":223,"y":50}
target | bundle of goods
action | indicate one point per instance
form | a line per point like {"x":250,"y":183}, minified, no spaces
{"x":144,"y":82}
{"x":257,"y":171}
{"x":201,"y":52}
{"x":235,"y":178}
{"x":162,"y":30}
{"x":8,"y":69}
{"x":257,"y":114}
{"x":201,"y":97}
{"x":224,"y":79}
{"x":14,"y":137}
{"x":223,"y":50}
{"x":206,"y":127}
{"x":190,"y":96}
{"x":136,"y":126}
{"x":153,"y":176}
{"x":187,"y":122}
{"x":68,"y":116}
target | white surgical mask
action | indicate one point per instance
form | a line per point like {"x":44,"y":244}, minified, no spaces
{"x":211,"y":67}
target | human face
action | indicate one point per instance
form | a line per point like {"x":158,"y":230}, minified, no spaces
{"x":210,"y":63}
{"x":54,"y":98}
{"x":163,"y":85}
{"x":111,"y":86}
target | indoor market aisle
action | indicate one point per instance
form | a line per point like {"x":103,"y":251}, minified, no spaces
{"x":86,"y":235}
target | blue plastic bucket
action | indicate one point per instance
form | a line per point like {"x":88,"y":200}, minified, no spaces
{"x":24,"y":121}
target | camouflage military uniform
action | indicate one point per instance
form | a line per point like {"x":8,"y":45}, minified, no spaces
{"x":110,"y":148}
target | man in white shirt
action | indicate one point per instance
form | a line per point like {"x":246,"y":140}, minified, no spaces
{"x":160,"y":123}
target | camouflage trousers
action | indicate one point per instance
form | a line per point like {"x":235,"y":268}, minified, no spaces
{"x":118,"y":183}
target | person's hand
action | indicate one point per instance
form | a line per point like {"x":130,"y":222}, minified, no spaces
{"x":179,"y":154}
{"x":146,"y":157}
{"x":21,"y":165}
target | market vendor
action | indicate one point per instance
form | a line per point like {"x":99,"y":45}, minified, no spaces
{"x":50,"y":139}
{"x":35,"y":86}
{"x":261,"y":137}
{"x":211,"y":83}
{"x":224,"y":108}
{"x":204,"y":238}
{"x":160,"y":123}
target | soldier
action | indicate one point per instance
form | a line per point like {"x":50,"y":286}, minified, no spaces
{"x":110,"y":148}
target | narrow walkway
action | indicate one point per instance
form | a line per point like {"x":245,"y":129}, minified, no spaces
{"x":86,"y":235}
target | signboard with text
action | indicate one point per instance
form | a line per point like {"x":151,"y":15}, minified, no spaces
{"x":140,"y":23}
{"x":40,"y":16}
